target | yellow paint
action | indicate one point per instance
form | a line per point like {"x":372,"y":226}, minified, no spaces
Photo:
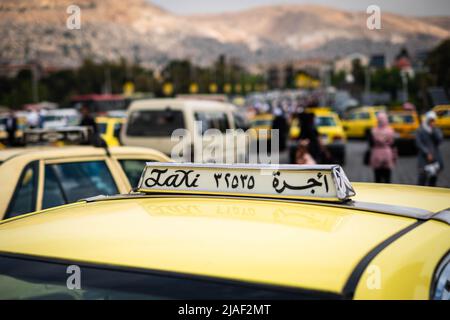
{"x":110,"y":134}
{"x":443,"y":119}
{"x":405,"y":130}
{"x":407,"y":266}
{"x":329,"y":134}
{"x":272,"y":242}
{"x":360,"y":121}
{"x":261,"y":125}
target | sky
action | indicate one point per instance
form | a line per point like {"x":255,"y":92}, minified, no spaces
{"x":405,"y":7}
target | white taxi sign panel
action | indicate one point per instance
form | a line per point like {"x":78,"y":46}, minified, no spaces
{"x":322,"y":183}
{"x":75,"y":135}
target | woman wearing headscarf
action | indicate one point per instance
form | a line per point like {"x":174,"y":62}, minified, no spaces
{"x":383,"y":155}
{"x":430,"y":162}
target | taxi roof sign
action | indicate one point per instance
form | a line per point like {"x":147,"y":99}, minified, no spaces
{"x":320,"y":183}
{"x":74,"y":135}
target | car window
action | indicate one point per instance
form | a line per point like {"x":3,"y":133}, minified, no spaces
{"x":44,"y":280}
{"x":240,"y":121}
{"x":24,"y":198}
{"x":213,"y":120}
{"x":443,"y":113}
{"x":53,"y":191}
{"x":401,"y":118}
{"x":101,"y":127}
{"x":156,"y":123}
{"x":133,"y":170}
{"x":364,"y":116}
{"x":325,"y":122}
{"x":260,"y":123}
{"x":80,"y":180}
{"x":117,"y":129}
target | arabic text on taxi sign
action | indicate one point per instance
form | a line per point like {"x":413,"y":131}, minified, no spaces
{"x":316,"y":182}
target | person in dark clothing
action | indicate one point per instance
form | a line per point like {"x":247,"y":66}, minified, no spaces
{"x":430,"y":161}
{"x":11,"y":129}
{"x":309,"y":132}
{"x":280,"y":123}
{"x":87,"y":120}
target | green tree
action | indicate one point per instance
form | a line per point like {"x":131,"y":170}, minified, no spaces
{"x":438,"y":62}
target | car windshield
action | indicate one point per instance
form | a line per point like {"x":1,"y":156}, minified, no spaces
{"x":325,"y":122}
{"x":401,"y":118}
{"x":30,"y":279}
{"x":261,"y":123}
{"x":101,"y":127}
{"x":443,"y":113}
{"x":155,"y":123}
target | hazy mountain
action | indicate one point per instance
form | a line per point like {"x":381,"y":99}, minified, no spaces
{"x":138,"y":30}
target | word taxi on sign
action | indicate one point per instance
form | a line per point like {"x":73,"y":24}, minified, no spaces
{"x":328,"y":183}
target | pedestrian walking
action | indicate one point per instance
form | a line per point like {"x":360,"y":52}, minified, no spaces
{"x":309,"y":132}
{"x":87,"y":120}
{"x":280,"y":123}
{"x":383,"y":155}
{"x":11,"y":128}
{"x":430,"y":161}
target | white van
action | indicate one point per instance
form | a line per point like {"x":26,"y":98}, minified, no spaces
{"x":151,"y":123}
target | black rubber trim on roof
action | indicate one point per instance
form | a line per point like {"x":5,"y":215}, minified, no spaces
{"x":355,"y":277}
{"x":292,"y":292}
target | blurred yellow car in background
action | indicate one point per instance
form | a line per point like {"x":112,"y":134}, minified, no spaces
{"x":109,"y":129}
{"x":41,"y":177}
{"x":443,"y":118}
{"x":405,"y":125}
{"x":261,"y":125}
{"x":358,"y":122}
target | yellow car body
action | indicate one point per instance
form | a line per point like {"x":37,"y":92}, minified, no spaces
{"x":404,"y":123}
{"x":443,"y":118}
{"x":358,"y":122}
{"x":328,"y":123}
{"x":27,"y":169}
{"x":109,"y":129}
{"x":191,"y":242}
{"x":261,"y":125}
{"x":330,"y":129}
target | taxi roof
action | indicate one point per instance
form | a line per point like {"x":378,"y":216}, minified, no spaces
{"x":254,"y":240}
{"x":179,"y":104}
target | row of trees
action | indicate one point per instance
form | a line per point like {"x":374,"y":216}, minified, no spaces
{"x":178,"y":77}
{"x":435,"y":72}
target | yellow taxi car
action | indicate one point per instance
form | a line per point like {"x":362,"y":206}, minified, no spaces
{"x":109,"y":129}
{"x":443,"y":118}
{"x":331,"y":131}
{"x":261,"y":125}
{"x":41,"y":177}
{"x":234,"y":232}
{"x":405,"y":125}
{"x":358,"y":122}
